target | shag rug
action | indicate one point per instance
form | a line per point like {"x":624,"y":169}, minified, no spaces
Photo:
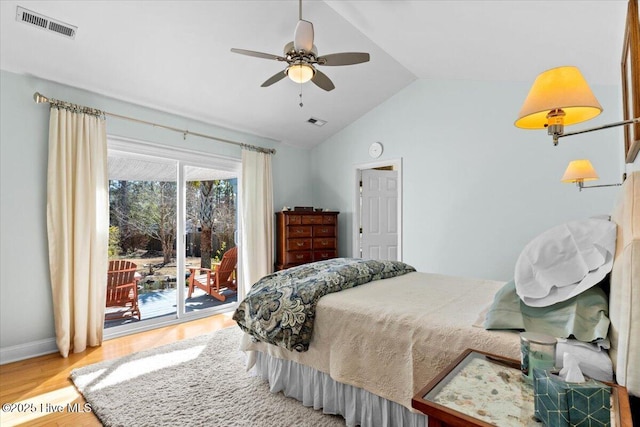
{"x":200,"y":381}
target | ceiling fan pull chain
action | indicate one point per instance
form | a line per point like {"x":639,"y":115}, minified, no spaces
{"x":301,"y":104}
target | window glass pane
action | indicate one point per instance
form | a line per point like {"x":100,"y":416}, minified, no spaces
{"x":142,"y":199}
{"x":211,"y":224}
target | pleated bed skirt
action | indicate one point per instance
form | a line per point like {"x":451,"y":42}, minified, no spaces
{"x":318,"y":390}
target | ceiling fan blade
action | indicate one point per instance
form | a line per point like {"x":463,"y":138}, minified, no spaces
{"x":345,"y":58}
{"x":258,"y":54}
{"x":303,"y":36}
{"x":322,"y":81}
{"x":275,"y":78}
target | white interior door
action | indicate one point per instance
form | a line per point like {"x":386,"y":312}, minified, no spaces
{"x":379,"y":214}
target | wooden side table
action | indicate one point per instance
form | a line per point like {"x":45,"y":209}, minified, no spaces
{"x":482,"y":389}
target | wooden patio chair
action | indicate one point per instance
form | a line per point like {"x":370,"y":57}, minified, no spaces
{"x":221,"y":277}
{"x":122,"y":289}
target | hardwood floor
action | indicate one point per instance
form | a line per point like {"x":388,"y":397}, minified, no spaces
{"x":42,"y":393}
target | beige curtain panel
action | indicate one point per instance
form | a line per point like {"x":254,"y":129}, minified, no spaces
{"x":77,"y":226}
{"x":257,"y":218}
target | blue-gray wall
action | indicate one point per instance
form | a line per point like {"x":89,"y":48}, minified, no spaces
{"x":25,"y":293}
{"x":476,"y":189}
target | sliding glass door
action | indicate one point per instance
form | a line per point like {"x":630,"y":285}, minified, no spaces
{"x":211,"y":217}
{"x":173,"y":216}
{"x":142,"y":231}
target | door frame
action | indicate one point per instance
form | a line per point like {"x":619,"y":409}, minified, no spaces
{"x":357,"y":168}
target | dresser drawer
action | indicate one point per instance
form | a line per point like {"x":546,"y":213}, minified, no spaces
{"x":296,"y":231}
{"x":293,"y":219}
{"x":324,"y":243}
{"x":298,"y":257}
{"x":312,"y":219}
{"x":324,"y":231}
{"x":299,"y":244}
{"x":328,"y":254}
{"x":330,"y":219}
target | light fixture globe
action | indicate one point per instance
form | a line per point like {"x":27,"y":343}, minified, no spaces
{"x":300,"y":72}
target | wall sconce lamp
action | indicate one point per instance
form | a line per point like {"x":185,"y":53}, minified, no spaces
{"x":561,"y":96}
{"x":582,"y":170}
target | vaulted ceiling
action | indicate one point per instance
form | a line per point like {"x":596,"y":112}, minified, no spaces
{"x":175,"y":56}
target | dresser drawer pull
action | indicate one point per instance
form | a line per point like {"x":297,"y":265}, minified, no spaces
{"x":300,"y":244}
{"x":324,"y":243}
{"x":324,"y":230}
{"x":299,"y":256}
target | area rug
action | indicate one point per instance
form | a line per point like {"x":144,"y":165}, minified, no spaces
{"x":200,"y":381}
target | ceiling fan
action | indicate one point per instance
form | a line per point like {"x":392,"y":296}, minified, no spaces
{"x":302,"y":58}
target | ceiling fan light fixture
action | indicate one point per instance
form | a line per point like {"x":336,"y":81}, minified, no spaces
{"x":300,"y":73}
{"x":301,"y":57}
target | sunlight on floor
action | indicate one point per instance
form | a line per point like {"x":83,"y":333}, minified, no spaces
{"x":39,"y":391}
{"x":128,"y":370}
{"x":61,"y":400}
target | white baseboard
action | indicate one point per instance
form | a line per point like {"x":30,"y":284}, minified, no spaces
{"x":47,"y":346}
{"x":27,"y":350}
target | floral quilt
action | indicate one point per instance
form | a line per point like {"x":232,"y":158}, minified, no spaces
{"x":280,"y":308}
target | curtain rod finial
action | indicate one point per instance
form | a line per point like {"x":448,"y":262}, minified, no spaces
{"x":39,"y":98}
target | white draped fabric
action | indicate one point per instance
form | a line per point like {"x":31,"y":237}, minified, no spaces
{"x":77,"y":227}
{"x":321,"y":392}
{"x":257,"y":218}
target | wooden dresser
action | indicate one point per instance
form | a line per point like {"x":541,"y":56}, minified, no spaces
{"x":305,"y":236}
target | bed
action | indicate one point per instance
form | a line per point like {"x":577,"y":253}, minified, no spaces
{"x":375,"y":345}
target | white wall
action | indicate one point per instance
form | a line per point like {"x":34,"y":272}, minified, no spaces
{"x":26,"y":313}
{"x":476,"y":188}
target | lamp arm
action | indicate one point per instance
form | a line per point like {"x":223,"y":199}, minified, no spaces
{"x":596,"y":186}
{"x":610,"y":125}
{"x":581,"y":185}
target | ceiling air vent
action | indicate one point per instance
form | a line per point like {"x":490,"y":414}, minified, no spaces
{"x":46,"y":23}
{"x":317,"y":122}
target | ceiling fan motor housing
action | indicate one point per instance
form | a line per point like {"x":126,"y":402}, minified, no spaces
{"x":303,"y":36}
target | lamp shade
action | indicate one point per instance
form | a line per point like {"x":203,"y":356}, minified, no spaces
{"x":580,"y":170}
{"x":300,"y":73}
{"x":558,"y":88}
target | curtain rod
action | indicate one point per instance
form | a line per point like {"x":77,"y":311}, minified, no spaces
{"x":39,"y":99}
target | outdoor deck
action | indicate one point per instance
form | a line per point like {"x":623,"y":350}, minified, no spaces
{"x":163,"y":302}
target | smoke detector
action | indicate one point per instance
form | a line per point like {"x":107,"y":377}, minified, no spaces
{"x":46,"y":23}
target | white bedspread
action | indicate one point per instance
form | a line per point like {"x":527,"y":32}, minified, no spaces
{"x":391,"y":337}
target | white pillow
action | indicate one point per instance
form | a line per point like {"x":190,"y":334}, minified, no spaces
{"x":564,"y":261}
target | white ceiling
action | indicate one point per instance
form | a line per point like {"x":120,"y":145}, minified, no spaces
{"x":175,"y":55}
